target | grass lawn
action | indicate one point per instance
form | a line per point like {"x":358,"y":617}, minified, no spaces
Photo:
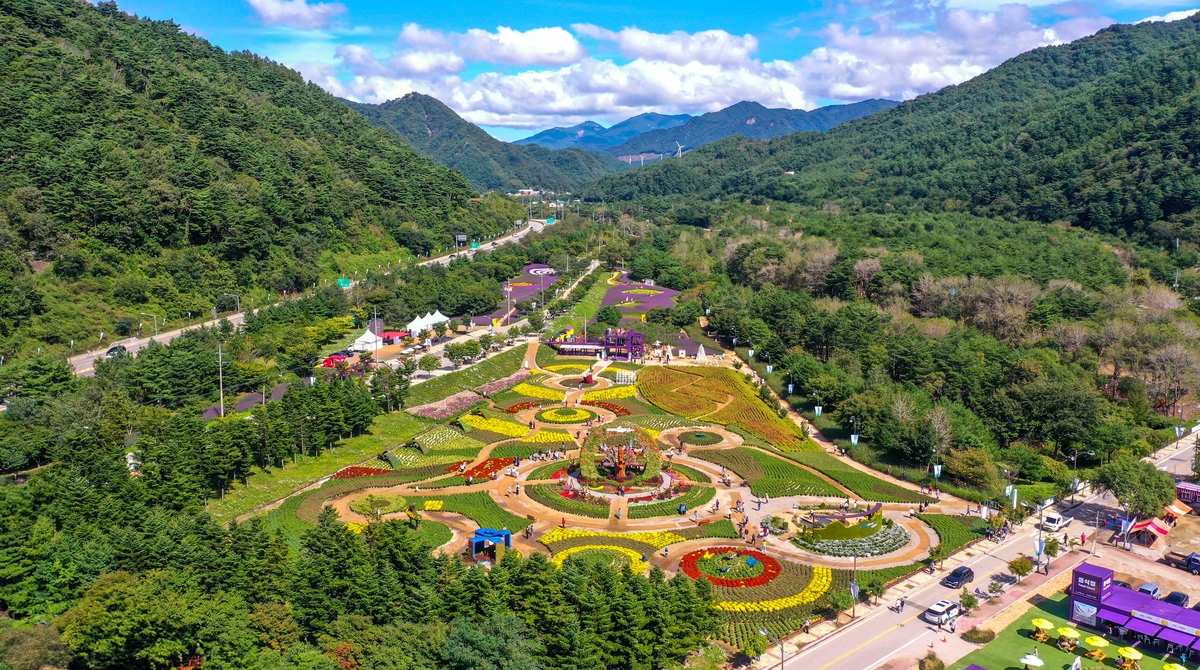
{"x":388,"y":431}
{"x":1014,"y":642}
{"x":468,"y":378}
{"x":584,"y":310}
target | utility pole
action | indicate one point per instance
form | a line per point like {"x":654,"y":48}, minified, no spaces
{"x":221,"y":377}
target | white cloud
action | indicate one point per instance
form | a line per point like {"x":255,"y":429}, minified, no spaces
{"x":297,"y":13}
{"x":893,"y":62}
{"x":679,"y":47}
{"x":416,"y":36}
{"x":1171,"y":16}
{"x":418,"y":63}
{"x":540,"y":46}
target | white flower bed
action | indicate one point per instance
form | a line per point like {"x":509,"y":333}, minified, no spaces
{"x":890,"y":538}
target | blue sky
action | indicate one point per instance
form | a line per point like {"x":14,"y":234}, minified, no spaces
{"x":519,"y":67}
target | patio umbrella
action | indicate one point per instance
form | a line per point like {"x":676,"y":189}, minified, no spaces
{"x":1130,"y":653}
{"x":1068,"y":632}
{"x":1173,"y":666}
{"x":1030,"y":659}
{"x":1042,"y":623}
{"x":1096,"y":641}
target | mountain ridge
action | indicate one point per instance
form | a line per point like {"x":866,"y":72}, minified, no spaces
{"x":1095,"y":132}
{"x":592,"y":136}
{"x":435,"y":131}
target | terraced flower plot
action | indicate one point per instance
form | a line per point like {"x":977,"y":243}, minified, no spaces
{"x":768,"y":474}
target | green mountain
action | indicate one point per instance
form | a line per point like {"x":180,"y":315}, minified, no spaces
{"x":150,"y":170}
{"x":436,"y":132}
{"x":748,"y":119}
{"x":1100,"y":132}
{"x":595,"y":137}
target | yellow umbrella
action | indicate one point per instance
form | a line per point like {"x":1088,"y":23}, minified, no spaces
{"x":1068,"y":632}
{"x":1042,"y":623}
{"x":1130,"y":653}
{"x":1173,"y":666}
{"x":1096,"y":641}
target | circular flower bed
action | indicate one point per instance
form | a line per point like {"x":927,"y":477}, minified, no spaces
{"x":370,"y":504}
{"x":574,"y":382}
{"x":700,"y":438}
{"x":890,"y":538}
{"x":565,"y":415}
{"x":616,"y":556}
{"x":619,"y":410}
{"x":742,"y":567}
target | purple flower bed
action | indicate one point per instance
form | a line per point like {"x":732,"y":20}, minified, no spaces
{"x":504,"y":384}
{"x":620,"y":293}
{"x":536,"y":275}
{"x":447,"y":407}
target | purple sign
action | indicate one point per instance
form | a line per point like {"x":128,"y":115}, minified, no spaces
{"x":1091,"y":583}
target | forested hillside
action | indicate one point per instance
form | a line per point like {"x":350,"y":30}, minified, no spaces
{"x":1100,"y":132}
{"x":748,"y":119}
{"x":595,"y":137}
{"x":437,"y":133}
{"x":146,"y":170}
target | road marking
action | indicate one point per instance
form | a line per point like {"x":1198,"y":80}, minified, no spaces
{"x":855,"y":650}
{"x":892,"y":655}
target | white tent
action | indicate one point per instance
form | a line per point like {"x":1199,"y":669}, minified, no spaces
{"x":426,"y":322}
{"x":368,"y":341}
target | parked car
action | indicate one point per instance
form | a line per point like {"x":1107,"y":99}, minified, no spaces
{"x":1151,"y":590}
{"x":1117,"y":582}
{"x":1054,"y":522}
{"x":115,"y":351}
{"x":1178,"y":598}
{"x":959,"y":577}
{"x":942,"y":612}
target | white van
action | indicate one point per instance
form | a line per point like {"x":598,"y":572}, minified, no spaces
{"x":1054,"y":522}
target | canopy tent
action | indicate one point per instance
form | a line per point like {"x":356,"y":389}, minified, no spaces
{"x":368,"y":341}
{"x":1150,"y":530}
{"x":1176,"y":509}
{"x":426,"y":322}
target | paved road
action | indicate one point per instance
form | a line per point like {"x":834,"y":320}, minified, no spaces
{"x":1178,"y":460}
{"x":85,"y":364}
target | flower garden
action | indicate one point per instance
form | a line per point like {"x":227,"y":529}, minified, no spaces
{"x":565,"y":415}
{"x":448,"y":472}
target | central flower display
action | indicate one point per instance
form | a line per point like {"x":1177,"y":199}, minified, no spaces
{"x":621,"y":455}
{"x":731,"y":567}
{"x":565,"y":415}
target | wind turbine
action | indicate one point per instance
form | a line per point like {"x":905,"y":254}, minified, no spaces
{"x":678,"y":150}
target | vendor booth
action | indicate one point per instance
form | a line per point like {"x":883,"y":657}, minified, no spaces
{"x":490,"y":544}
{"x":1125,"y":613}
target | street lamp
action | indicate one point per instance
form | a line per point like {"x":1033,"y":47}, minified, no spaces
{"x":764,"y":633}
{"x":155,"y":316}
{"x":239,"y":301}
{"x":1075,"y":474}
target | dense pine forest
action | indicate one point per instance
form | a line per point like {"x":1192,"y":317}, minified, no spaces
{"x":1099,"y":132}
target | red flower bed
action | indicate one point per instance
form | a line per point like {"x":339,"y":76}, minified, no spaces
{"x":486,"y":468}
{"x":522,"y":405}
{"x":771,"y":568}
{"x":359,"y":471}
{"x":612,"y":407}
{"x":456,"y":466}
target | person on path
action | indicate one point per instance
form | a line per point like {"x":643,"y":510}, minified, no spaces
{"x":953,"y":627}
{"x":564,"y":522}
{"x":912,"y":513}
{"x":518,"y":489}
{"x":508,"y":492}
{"x":806,"y":626}
{"x":902,"y":603}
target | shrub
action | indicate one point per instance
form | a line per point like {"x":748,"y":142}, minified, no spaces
{"x":931,"y":662}
{"x":978,"y":635}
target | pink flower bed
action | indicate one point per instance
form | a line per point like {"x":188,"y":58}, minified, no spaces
{"x":447,"y":407}
{"x":504,"y":384}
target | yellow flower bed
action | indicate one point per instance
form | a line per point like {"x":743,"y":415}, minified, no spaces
{"x":613,"y":279}
{"x":653,"y":433}
{"x":657,"y":539}
{"x":433,"y":505}
{"x":642,"y":291}
{"x":547,"y":436}
{"x":636,"y":564}
{"x":567,"y":366}
{"x":821,"y":581}
{"x":508,"y":428}
{"x":356,"y":527}
{"x":532,"y":391}
{"x":614,"y":393}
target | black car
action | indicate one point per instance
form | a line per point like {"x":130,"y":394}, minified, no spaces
{"x":1117,"y":582}
{"x":959,"y":577}
{"x":115,"y":351}
{"x":1178,"y":598}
